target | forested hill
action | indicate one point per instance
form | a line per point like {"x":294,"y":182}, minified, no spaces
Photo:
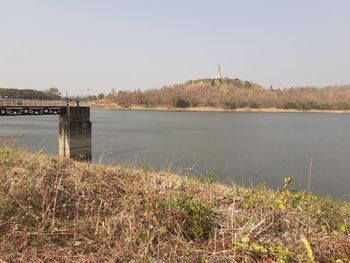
{"x":49,"y":94}
{"x":234,"y":93}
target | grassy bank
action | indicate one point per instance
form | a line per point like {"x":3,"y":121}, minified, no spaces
{"x":54,"y":209}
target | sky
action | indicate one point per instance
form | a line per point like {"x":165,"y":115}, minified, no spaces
{"x":89,"y":47}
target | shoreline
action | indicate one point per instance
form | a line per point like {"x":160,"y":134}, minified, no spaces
{"x":114,"y":106}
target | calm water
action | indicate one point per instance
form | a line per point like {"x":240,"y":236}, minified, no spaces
{"x":247,"y":148}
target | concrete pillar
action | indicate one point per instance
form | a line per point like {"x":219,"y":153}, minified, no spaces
{"x":75,"y":133}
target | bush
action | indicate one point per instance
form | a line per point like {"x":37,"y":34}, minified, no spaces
{"x":290,"y":105}
{"x":230,"y":105}
{"x":194,"y":103}
{"x":199,"y":216}
{"x":242,"y":104}
{"x":181,"y":103}
{"x":255,"y":105}
{"x":211,"y":103}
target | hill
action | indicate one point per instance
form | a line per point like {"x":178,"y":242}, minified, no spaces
{"x":234,"y":94}
{"x":58,"y":210}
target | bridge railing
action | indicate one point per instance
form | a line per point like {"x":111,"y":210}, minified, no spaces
{"x":33,"y":103}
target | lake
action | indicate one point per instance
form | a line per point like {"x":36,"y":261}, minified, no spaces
{"x":245,"y":148}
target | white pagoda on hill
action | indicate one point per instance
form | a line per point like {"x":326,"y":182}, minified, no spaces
{"x":219,"y":74}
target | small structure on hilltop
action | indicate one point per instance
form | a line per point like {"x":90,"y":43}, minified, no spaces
{"x":272,"y":89}
{"x":219,"y":74}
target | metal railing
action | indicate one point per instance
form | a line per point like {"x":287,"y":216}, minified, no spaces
{"x":36,"y":103}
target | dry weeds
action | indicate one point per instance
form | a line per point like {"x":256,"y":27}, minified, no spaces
{"x":58,"y":210}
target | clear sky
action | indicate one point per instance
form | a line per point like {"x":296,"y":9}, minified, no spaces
{"x":87,"y":47}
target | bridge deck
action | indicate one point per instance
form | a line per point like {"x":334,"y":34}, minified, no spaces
{"x":31,"y":103}
{"x":16,"y":107}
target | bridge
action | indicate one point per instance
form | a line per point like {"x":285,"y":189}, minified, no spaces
{"x":74,"y":122}
{"x":11,"y":107}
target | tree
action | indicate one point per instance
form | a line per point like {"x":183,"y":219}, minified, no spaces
{"x":53,"y":93}
{"x":113,"y":92}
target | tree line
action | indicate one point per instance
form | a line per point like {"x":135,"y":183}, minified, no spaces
{"x":49,"y":94}
{"x":233,"y":94}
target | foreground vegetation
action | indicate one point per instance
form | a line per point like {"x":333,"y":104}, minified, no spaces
{"x":234,"y":94}
{"x":54,"y":209}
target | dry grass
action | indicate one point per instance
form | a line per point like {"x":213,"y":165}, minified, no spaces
{"x":55,"y":209}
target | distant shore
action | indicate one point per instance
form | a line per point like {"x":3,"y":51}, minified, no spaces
{"x":114,"y":106}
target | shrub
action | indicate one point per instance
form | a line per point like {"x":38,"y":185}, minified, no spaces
{"x":290,"y":105}
{"x":194,"y":103}
{"x":199,"y":216}
{"x":242,"y":104}
{"x":181,"y":103}
{"x":211,"y":103}
{"x":230,"y":105}
{"x":255,"y":105}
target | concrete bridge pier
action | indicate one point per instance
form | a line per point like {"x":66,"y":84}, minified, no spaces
{"x":75,"y":133}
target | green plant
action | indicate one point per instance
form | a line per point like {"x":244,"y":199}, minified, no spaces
{"x":199,"y":216}
{"x":310,"y":254}
{"x":209,"y":178}
{"x":287,"y":181}
{"x":252,"y":249}
{"x":309,"y":177}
